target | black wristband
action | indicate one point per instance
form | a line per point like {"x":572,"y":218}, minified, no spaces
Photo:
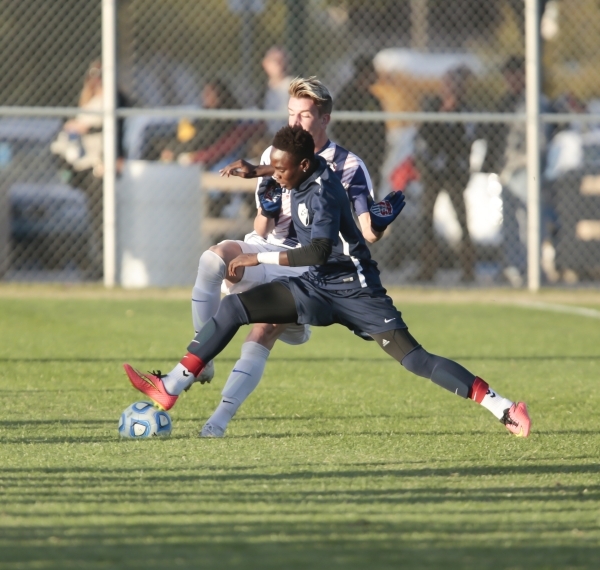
{"x":270,"y":215}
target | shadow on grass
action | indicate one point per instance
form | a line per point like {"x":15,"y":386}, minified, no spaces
{"x":352,"y":544}
{"x":18,"y":431}
{"x":53,"y":423}
{"x":157,"y":475}
{"x":294,"y":418}
{"x":53,"y":440}
{"x":204,"y":500}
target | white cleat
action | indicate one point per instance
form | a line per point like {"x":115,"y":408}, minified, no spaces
{"x":211,"y":430}
{"x":207,"y":374}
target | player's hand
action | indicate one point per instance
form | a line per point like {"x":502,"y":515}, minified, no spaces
{"x":269,"y":196}
{"x":244,"y":260}
{"x":385,"y":212}
{"x":239,"y":168}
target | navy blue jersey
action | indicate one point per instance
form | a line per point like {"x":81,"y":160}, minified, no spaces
{"x":353,"y":175}
{"x":320,"y":209}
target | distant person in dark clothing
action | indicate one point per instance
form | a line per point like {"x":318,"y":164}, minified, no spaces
{"x":442,"y":153}
{"x":367,"y":139}
{"x":511,"y":164}
{"x":513,"y":173}
{"x":210,"y":141}
{"x":276,"y":95}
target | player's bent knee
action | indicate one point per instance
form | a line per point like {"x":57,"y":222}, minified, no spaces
{"x":227,"y":250}
{"x":264,"y":334}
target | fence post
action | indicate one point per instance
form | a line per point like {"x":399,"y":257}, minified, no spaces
{"x":109,"y":130}
{"x":533,"y":67}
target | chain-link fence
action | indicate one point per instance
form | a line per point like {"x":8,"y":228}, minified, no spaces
{"x":465,"y":180}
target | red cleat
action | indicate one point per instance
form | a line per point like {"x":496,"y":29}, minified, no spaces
{"x":516,"y":419}
{"x":152,"y":386}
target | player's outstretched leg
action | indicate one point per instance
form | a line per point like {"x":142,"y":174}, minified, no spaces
{"x":402,"y":346}
{"x":164,"y":389}
{"x":272,"y":302}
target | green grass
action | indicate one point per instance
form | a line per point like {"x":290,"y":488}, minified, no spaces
{"x":340,"y":459}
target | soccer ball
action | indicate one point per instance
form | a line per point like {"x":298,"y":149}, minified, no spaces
{"x":142,"y":419}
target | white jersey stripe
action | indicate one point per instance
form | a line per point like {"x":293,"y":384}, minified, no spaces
{"x":356,"y":261}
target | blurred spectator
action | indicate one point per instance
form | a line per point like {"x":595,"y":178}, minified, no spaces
{"x":275,"y":64}
{"x":565,"y":154}
{"x":80,"y":148}
{"x":89,"y":99}
{"x":442,"y":153}
{"x":214,"y":142}
{"x":567,"y":103}
{"x":513,"y":172}
{"x":80,"y":140}
{"x":367,"y":140}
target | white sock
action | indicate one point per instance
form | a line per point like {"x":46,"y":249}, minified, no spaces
{"x":206,"y":294}
{"x":244,"y":378}
{"x":178,"y":380}
{"x":495,"y":403}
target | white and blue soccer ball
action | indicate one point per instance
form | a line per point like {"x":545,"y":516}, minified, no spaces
{"x":142,"y":420}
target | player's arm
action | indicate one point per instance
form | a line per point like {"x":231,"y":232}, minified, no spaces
{"x":316,"y":253}
{"x":366,"y":228}
{"x":263,"y":226}
{"x":244,"y":169}
{"x":373,"y":217}
{"x":268,"y":202}
{"x":360,"y":191}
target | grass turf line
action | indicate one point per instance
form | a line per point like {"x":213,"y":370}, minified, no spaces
{"x":340,"y":459}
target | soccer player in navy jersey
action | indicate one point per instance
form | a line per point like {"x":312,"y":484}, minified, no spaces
{"x":310,"y":105}
{"x":342,"y":285}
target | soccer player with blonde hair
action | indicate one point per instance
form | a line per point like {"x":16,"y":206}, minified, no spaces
{"x":310,"y":105}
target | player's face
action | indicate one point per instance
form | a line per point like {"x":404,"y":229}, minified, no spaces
{"x":302,"y":111}
{"x":288,"y":173}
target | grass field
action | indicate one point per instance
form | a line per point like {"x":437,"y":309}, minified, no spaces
{"x":340,"y":459}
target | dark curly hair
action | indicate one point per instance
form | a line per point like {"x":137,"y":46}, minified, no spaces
{"x":295,"y":141}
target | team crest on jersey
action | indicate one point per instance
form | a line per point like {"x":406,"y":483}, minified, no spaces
{"x":303,"y":214}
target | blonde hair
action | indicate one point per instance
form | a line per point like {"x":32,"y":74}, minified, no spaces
{"x":312,"y":88}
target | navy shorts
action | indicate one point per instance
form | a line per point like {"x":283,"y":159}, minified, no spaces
{"x":360,"y":310}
